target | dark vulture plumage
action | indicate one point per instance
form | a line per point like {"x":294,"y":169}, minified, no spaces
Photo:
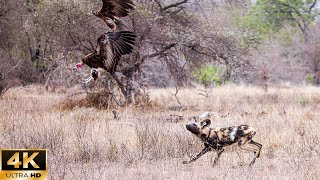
{"x":111,"y":46}
{"x":113,"y":10}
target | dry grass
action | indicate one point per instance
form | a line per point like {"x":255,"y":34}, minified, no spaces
{"x":86,"y":143}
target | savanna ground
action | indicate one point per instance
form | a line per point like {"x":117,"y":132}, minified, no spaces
{"x":148,"y":143}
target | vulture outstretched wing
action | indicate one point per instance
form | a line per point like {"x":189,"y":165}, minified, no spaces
{"x":112,"y":45}
{"x":116,"y":8}
{"x":112,"y":11}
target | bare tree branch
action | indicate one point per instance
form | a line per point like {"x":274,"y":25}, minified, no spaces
{"x":158,"y":3}
{"x":174,"y":5}
{"x":175,"y":94}
{"x":14,"y":67}
{"x":161,"y":52}
{"x":312,"y":6}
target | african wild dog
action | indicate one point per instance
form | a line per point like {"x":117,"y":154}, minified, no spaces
{"x":216,"y":139}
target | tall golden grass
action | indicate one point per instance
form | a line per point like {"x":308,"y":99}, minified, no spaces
{"x":149,"y":143}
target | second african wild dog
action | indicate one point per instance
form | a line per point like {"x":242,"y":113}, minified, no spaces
{"x":216,"y":139}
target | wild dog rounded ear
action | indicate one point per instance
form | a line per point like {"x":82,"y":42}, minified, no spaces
{"x":206,"y":122}
{"x":193,"y":119}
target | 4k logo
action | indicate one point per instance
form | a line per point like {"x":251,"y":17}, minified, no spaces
{"x":24,"y":164}
{"x":14,"y":160}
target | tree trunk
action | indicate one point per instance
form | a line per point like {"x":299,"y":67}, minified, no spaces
{"x":305,"y":31}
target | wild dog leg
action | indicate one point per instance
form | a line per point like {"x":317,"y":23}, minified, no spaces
{"x":204,"y":150}
{"x":257,"y":154}
{"x":219,"y":152}
{"x":250,"y":150}
{"x":257,"y":145}
{"x":242,"y":147}
{"x":256,"y":150}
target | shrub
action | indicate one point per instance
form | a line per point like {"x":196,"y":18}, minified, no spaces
{"x":14,"y":72}
{"x":208,"y":75}
{"x":310,"y":79}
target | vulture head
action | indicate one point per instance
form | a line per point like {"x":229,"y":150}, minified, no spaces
{"x":78,"y":66}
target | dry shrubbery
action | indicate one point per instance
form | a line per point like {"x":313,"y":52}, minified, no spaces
{"x":104,"y":99}
{"x":88,"y":143}
{"x":99,"y":100}
{"x":14,"y":72}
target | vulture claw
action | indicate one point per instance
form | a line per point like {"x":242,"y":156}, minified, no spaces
{"x":86,"y":81}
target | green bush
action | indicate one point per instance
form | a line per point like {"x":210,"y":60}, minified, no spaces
{"x":310,"y":79}
{"x":208,"y":75}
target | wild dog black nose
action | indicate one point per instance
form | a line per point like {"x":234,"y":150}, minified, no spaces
{"x":189,"y":127}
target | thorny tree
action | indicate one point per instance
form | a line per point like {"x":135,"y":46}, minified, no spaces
{"x":177,"y":34}
{"x":174,"y":35}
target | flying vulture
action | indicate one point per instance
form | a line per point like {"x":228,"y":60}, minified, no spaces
{"x":112,"y":11}
{"x":111,"y":46}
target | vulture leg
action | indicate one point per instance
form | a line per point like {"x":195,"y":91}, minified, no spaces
{"x":87,"y":80}
{"x":94,"y":75}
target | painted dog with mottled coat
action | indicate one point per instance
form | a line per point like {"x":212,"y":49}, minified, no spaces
{"x":218,"y":138}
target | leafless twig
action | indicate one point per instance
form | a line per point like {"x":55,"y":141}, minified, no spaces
{"x":14,"y":67}
{"x":175,"y":94}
